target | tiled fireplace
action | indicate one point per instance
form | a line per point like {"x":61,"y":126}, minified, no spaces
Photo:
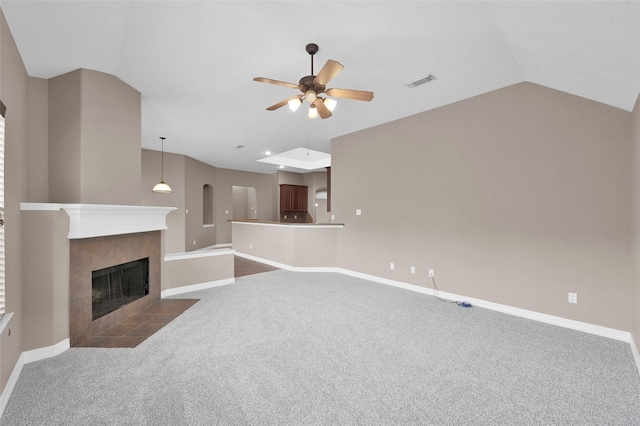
{"x":93,"y":254}
{"x":64,"y":244}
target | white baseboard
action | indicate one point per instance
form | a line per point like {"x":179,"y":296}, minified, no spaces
{"x":27,"y":357}
{"x":611,"y":333}
{"x":47,"y":352}
{"x":11,"y":384}
{"x":636,"y":354}
{"x":196,"y":287}
{"x":288,"y":267}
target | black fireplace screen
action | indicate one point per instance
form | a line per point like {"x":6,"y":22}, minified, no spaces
{"x":119,"y":285}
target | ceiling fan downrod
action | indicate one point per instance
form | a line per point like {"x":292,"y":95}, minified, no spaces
{"x":312,"y":49}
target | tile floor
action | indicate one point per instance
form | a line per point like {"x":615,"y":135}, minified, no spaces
{"x":132,"y":331}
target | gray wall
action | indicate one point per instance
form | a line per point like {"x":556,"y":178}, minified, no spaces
{"x":518,"y":196}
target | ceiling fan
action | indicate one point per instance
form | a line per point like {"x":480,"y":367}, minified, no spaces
{"x":312,"y":86}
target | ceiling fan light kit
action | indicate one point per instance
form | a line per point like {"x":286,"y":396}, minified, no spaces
{"x":313,"y":85}
{"x":313,"y":111}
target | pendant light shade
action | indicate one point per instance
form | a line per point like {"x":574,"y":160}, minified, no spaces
{"x":162,"y":187}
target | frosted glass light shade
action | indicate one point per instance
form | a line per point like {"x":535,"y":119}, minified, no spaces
{"x":313,"y":112}
{"x":294,"y":104}
{"x":330,"y":104}
{"x":162,"y":188}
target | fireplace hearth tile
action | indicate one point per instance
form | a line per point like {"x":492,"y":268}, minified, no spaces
{"x":126,"y":342}
{"x":146,"y":329}
{"x":138,"y":318}
{"x":162,"y":319}
{"x":133,"y":330}
{"x":120,"y":329}
{"x":98,"y":342}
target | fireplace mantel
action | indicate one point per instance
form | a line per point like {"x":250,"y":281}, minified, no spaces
{"x":99,"y":220}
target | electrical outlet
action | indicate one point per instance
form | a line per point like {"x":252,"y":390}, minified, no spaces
{"x":194,"y":242}
{"x":392,"y":266}
{"x":226,"y":212}
{"x":333,"y":217}
{"x":413,"y":269}
{"x":186,"y":211}
{"x":432,"y":273}
{"x":573,"y":297}
{"x":358,"y":212}
{"x":250,"y":246}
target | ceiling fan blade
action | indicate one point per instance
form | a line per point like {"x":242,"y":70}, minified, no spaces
{"x":330,"y":70}
{"x":358,"y":95}
{"x":322,"y":109}
{"x":277,"y":82}
{"x":283,"y":103}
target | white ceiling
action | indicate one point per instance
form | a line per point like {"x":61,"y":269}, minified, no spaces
{"x":194,"y":62}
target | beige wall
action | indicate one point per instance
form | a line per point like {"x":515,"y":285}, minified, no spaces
{"x":266,"y":189}
{"x":45,"y":254}
{"x":197,"y":175}
{"x":635,"y":288}
{"x":198,"y":270}
{"x":38,"y":148}
{"x":174,"y":175}
{"x":315,"y":181}
{"x":186,"y":177}
{"x":518,"y":196}
{"x":111,"y":134}
{"x":64,"y":138}
{"x":298,"y":246}
{"x":94,"y":131}
{"x":14,"y":94}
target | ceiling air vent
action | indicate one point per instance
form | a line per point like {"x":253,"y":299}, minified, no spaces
{"x":240,"y":146}
{"x":420,"y":81}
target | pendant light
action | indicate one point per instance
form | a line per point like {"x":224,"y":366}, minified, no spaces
{"x":162,"y":187}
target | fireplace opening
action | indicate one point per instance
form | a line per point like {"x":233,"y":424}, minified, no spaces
{"x":118,"y":286}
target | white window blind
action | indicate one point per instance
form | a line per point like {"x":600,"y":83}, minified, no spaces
{"x":2,"y":281}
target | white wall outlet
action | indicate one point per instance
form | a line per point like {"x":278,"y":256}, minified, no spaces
{"x":432,"y":273}
{"x":285,"y":216}
{"x":358,"y":212}
{"x":295,"y":216}
{"x":250,"y":246}
{"x":194,"y":242}
{"x":573,"y":297}
{"x":392,"y":266}
{"x":413,"y":269}
{"x":186,"y":211}
{"x":226,"y":212}
{"x":333,"y":217}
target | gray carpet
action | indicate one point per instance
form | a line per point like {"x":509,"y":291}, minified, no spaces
{"x":319,"y":348}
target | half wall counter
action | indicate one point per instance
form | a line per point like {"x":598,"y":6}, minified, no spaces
{"x":298,"y":245}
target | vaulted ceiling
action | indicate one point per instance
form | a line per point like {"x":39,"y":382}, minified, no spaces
{"x":194,"y":62}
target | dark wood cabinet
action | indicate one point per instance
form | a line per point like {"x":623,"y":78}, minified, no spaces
{"x":293,"y":198}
